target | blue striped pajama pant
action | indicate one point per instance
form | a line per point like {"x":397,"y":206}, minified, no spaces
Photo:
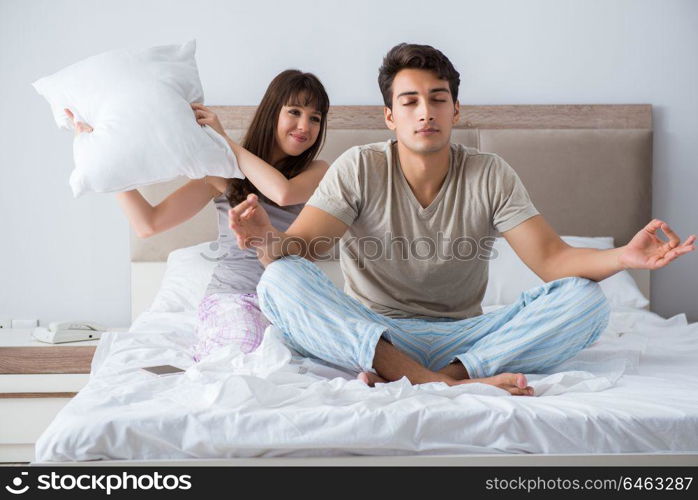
{"x":547,"y":325}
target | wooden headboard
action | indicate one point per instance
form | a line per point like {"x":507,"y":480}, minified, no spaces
{"x":587,"y":168}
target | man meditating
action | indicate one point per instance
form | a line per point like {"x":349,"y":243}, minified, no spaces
{"x":420,"y":214}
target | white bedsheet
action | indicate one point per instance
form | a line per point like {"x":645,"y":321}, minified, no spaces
{"x":634,"y":391}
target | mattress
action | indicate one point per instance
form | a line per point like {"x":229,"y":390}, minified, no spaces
{"x":633,"y":391}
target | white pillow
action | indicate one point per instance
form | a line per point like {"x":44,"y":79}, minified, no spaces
{"x":145,"y":132}
{"x":186,"y":278}
{"x":189,"y":271}
{"x":509,"y":276}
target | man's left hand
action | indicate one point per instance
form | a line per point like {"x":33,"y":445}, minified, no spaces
{"x":647,"y":251}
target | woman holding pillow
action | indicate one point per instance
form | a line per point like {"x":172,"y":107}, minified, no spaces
{"x":278,"y":158}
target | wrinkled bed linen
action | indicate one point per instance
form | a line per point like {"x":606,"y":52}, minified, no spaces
{"x":633,"y":391}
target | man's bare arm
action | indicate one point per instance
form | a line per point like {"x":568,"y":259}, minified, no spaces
{"x":544,"y":252}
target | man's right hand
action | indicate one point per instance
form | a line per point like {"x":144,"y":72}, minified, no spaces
{"x":251,"y":223}
{"x":79,"y":127}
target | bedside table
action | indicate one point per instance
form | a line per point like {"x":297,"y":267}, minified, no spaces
{"x":36,"y":381}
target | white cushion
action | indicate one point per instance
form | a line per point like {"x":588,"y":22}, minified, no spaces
{"x":509,"y":276}
{"x":186,"y":278}
{"x":189,"y":271}
{"x":145,"y":132}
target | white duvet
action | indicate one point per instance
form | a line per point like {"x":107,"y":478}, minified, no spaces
{"x":634,"y":391}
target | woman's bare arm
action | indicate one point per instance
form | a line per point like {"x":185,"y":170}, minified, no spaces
{"x":302,"y":186}
{"x":273,"y":184}
{"x":178,"y":207}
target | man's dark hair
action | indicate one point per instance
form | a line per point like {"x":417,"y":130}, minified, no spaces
{"x":413,"y":56}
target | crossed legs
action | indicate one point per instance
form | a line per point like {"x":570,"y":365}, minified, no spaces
{"x":392,"y":364}
{"x":546,"y":326}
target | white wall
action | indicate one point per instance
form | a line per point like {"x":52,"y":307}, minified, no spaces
{"x":66,"y":258}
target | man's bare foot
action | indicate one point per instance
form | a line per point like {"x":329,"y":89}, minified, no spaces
{"x":514,"y":383}
{"x":370,"y":379}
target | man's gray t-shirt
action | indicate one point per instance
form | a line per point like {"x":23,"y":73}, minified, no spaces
{"x":405,"y":261}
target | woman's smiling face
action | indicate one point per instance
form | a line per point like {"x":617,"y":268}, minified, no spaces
{"x":297,"y":128}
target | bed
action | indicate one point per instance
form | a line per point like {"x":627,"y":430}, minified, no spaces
{"x":628,"y":399}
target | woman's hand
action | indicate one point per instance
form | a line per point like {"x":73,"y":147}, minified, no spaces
{"x":204,"y":116}
{"x":79,"y":127}
{"x":250,"y":223}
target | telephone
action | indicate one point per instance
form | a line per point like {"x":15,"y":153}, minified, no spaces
{"x":68,"y":331}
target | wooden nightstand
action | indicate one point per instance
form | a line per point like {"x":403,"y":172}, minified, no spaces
{"x":36,"y":381}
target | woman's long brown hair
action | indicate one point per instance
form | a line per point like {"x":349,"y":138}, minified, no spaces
{"x":287,"y":88}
